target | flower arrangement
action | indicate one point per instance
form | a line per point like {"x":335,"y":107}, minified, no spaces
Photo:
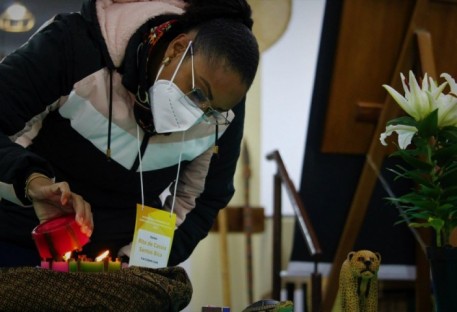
{"x":427,"y":143}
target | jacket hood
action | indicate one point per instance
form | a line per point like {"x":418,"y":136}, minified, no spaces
{"x":118,"y":20}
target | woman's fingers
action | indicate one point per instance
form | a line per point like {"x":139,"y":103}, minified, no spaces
{"x":83,"y":212}
{"x":70,"y":202}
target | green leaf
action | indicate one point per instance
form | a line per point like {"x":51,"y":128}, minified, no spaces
{"x":436,"y":223}
{"x":403,"y":120}
{"x":429,"y":125}
{"x":419,"y":177}
{"x":418,"y":225}
{"x":412,"y":160}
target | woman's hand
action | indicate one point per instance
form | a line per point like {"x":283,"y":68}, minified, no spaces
{"x":51,"y":200}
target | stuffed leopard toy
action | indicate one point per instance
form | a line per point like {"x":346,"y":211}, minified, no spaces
{"x":358,"y":283}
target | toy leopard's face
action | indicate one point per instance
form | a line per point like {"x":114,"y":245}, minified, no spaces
{"x":364,"y":263}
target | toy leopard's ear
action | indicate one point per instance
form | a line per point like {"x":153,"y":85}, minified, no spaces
{"x":378,"y":255}
{"x":350,"y":255}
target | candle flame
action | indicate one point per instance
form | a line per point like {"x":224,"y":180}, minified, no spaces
{"x":67,"y":256}
{"x":102,"y":256}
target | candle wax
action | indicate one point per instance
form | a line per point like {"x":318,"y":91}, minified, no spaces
{"x":45,"y":264}
{"x":59,"y":266}
{"x":114,"y":266}
{"x":87,"y":266}
{"x":73,"y":265}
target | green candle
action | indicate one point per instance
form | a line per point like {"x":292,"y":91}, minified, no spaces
{"x":114,"y":265}
{"x":73,"y":265}
{"x":90,"y":266}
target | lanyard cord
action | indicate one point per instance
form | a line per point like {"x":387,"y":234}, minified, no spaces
{"x":110,"y":114}
{"x":192,"y":62}
{"x":177,"y":174}
{"x":141,"y":169}
{"x":140,"y":165}
{"x":180,"y":62}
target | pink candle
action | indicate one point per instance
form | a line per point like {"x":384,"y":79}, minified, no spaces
{"x":45,"y":264}
{"x":59,"y":266}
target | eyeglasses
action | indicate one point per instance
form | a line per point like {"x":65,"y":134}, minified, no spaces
{"x":200,"y":100}
{"x":210,"y":115}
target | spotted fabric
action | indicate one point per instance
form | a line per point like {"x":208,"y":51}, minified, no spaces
{"x":132,"y":289}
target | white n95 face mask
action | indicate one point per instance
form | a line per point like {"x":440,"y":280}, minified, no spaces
{"x":172,"y":110}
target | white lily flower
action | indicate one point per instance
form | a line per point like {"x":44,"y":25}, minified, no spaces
{"x":451,"y":83}
{"x":418,"y":97}
{"x":447,"y":103}
{"x":416,"y":101}
{"x":435,"y":92}
{"x":447,"y":110}
{"x":405,"y":134}
{"x":402,"y":101}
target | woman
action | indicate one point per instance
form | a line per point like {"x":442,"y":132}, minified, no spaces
{"x":104,"y":109}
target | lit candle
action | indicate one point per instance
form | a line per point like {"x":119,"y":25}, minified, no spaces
{"x":61,"y":266}
{"x":91,"y":266}
{"x":94,"y":266}
{"x":102,"y":256}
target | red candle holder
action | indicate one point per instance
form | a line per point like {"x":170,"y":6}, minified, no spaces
{"x":58,"y":236}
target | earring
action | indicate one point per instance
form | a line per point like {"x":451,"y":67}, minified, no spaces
{"x":166,"y":61}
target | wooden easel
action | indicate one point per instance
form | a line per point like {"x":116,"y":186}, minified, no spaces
{"x":225,"y":269}
{"x":417,"y":42}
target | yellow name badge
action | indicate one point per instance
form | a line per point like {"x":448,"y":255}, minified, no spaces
{"x":154,"y":230}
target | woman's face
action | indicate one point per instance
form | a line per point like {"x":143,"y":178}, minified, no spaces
{"x":219,"y":83}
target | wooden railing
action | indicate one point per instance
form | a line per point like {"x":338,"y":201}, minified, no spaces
{"x":306,"y":228}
